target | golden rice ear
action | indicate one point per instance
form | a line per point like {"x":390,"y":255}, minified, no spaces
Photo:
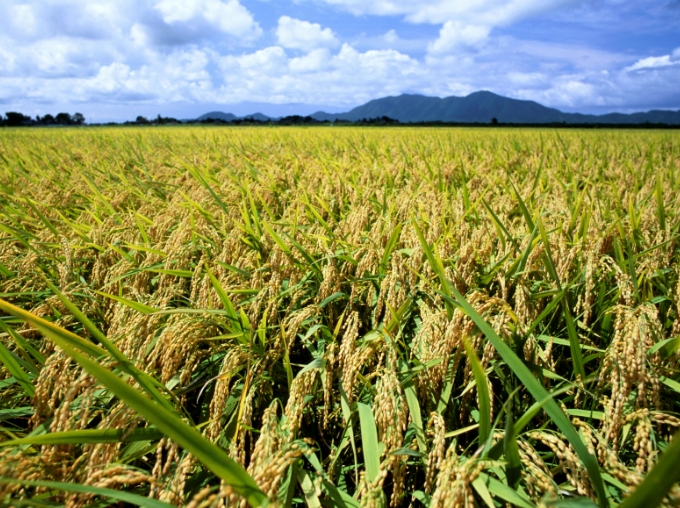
{"x":273,"y":288}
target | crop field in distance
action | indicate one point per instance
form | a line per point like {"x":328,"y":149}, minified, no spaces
{"x":339,"y":317}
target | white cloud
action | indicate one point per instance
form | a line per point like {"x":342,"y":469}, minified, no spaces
{"x":319,"y":77}
{"x":229,"y":17}
{"x":571,"y":92}
{"x":24,"y":16}
{"x":455,"y":35}
{"x":491,"y":12}
{"x":158,"y":22}
{"x":313,"y":61}
{"x":264,"y":61}
{"x":165,"y":52}
{"x":7,"y":59}
{"x":378,"y":62}
{"x":111,"y":77}
{"x":298,"y":34}
{"x":527,"y":79}
{"x":139,"y":35}
{"x":465,"y":25}
{"x":653,"y":62}
{"x":391,"y":36}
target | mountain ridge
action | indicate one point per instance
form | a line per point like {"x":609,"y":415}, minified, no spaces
{"x":477,"y":107}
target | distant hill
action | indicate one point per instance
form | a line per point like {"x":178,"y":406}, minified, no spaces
{"x":229,"y":117}
{"x":217,"y":115}
{"x":257,"y":116}
{"x":478,"y":107}
{"x":482,"y":107}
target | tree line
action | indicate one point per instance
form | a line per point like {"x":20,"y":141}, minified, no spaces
{"x":14,"y":119}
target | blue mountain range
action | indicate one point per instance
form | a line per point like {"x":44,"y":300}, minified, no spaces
{"x":478,"y":107}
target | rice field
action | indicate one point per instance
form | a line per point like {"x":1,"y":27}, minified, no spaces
{"x":339,"y":317}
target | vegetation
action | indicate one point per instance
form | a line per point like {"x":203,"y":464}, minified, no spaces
{"x":341,"y":317}
{"x":14,"y":119}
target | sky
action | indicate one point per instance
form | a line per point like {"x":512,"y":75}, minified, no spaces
{"x":116,"y":59}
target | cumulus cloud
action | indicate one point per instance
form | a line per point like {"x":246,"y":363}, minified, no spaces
{"x":615,"y":92}
{"x":313,"y":61}
{"x":163,"y":21}
{"x":653,"y":62}
{"x":391,"y":36}
{"x":340,"y":78}
{"x":465,"y":25}
{"x":455,"y":35}
{"x":229,"y":17}
{"x":298,"y":34}
{"x":68,"y":18}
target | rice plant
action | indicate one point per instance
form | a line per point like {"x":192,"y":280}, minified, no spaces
{"x":209,"y":317}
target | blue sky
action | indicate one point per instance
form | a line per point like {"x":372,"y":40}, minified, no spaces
{"x":116,"y":59}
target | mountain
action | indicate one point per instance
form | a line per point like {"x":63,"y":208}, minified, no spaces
{"x":229,"y":117}
{"x":217,"y":115}
{"x":257,"y":116}
{"x":478,"y":107}
{"x":482,"y":107}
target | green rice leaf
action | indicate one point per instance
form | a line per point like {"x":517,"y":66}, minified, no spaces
{"x":332,"y":298}
{"x":482,"y":393}
{"x":391,"y":243}
{"x":540,"y":394}
{"x":23,"y":343}
{"x":513,"y":469}
{"x":501,"y":490}
{"x":126,"y":497}
{"x":149,"y":384}
{"x":308,"y":488}
{"x":524,"y":210}
{"x":670,"y":383}
{"x":481,"y":488}
{"x":660,"y":209}
{"x":139,"y":307}
{"x":175,"y":273}
{"x":12,"y":365}
{"x":5,"y":272}
{"x":277,"y":238}
{"x":16,"y":412}
{"x":574,"y":345}
{"x":168,"y":422}
{"x":369,"y":441}
{"x":287,"y":489}
{"x":71,"y":339}
{"x":500,"y":226}
{"x":81,"y":437}
{"x":416,"y":417}
{"x":224,"y":298}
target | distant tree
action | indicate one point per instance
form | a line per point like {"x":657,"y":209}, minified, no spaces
{"x":384,"y":120}
{"x":78,"y":119}
{"x":213,"y":121}
{"x":160,"y":120}
{"x":494,"y":121}
{"x":141,"y":120}
{"x":15,"y":119}
{"x":64,"y":119}
{"x":47,"y":120}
